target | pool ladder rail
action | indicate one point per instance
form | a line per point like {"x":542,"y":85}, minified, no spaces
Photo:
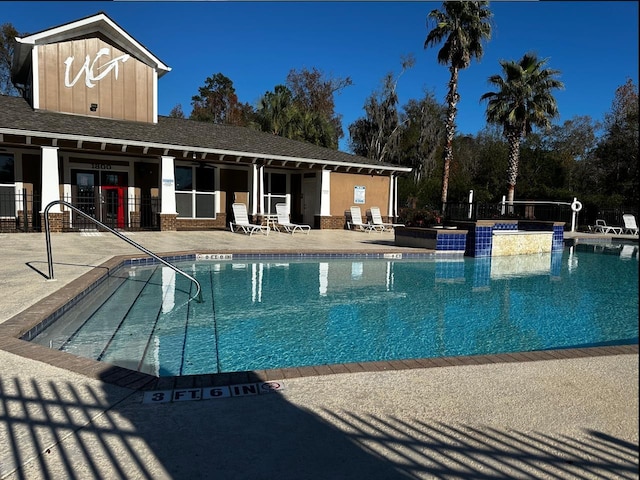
{"x":198,"y":294}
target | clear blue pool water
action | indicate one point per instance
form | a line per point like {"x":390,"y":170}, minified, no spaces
{"x":278,"y":313}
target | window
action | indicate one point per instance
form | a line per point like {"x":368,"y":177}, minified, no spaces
{"x":7,"y":187}
{"x":195,"y":192}
{"x":277,"y":191}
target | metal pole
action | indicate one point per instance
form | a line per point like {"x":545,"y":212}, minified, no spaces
{"x":47,"y":235}
{"x":574,"y":214}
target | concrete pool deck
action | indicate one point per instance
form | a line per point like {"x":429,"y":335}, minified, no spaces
{"x":572,"y":416}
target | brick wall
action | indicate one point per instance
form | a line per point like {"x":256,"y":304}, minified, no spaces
{"x":56,"y":221}
{"x":332,"y":223}
{"x":192,"y":224}
{"x":168,"y":222}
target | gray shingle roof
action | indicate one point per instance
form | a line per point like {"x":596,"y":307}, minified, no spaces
{"x":16,"y":114}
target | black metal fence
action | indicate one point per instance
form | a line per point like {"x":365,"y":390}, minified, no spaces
{"x":537,"y":210}
{"x":21,"y":212}
{"x":612,"y":216}
{"x":543,"y":211}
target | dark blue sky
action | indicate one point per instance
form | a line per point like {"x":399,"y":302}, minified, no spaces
{"x":594,"y":44}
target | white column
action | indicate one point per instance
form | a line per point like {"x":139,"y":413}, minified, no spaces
{"x":256,"y":189}
{"x":259,"y":200}
{"x":50,"y":178}
{"x":325,"y":193}
{"x":168,"y":189}
{"x":19,"y":185}
{"x":217,"y":189}
{"x":395,"y":198}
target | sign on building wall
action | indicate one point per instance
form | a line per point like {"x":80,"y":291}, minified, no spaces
{"x":89,"y":76}
{"x":358,"y":194}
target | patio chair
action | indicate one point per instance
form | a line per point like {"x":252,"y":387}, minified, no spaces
{"x":284,"y":222}
{"x":357,"y":224}
{"x":241,"y":221}
{"x":630,"y":225}
{"x":602,"y":227}
{"x":376,"y":219}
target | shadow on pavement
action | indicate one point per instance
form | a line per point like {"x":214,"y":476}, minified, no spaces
{"x":62,"y":430}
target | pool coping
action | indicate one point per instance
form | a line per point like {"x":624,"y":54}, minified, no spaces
{"x":13,"y":329}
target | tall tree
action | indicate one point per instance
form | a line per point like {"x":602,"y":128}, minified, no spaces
{"x":217,"y":102}
{"x":462,"y":26}
{"x":315,"y":128}
{"x":8,"y":35}
{"x":422,"y":135}
{"x":277,"y":114}
{"x":573,"y":144}
{"x":617,"y":153}
{"x":491,"y":151}
{"x":313,"y":93}
{"x":376,"y":136}
{"x":523,"y":100}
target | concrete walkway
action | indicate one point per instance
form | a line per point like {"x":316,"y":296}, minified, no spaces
{"x":566,"y":418}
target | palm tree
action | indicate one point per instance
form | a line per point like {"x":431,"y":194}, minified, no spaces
{"x":462,"y":26}
{"x":523,"y":101}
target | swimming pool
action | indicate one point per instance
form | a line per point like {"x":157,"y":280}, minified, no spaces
{"x":292,"y":312}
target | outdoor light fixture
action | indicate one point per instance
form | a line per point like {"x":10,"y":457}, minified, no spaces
{"x":93,"y":107}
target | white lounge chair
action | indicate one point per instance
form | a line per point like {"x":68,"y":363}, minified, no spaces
{"x":284,"y":222}
{"x":376,"y":219}
{"x":630,"y":225}
{"x":241,"y":221}
{"x":602,"y":227}
{"x":357,"y":224}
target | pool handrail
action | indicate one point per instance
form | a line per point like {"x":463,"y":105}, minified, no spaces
{"x":197,"y":296}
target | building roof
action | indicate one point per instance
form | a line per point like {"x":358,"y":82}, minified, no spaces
{"x":21,"y":125}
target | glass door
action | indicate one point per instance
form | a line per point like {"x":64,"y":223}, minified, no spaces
{"x":84,"y":197}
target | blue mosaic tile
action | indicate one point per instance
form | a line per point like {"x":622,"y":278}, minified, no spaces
{"x":505,"y":226}
{"x":558,"y":238}
{"x":483,"y":241}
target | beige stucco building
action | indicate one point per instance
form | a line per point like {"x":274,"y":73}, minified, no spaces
{"x":87,"y":132}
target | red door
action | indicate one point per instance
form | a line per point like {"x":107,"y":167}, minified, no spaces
{"x":113,"y":189}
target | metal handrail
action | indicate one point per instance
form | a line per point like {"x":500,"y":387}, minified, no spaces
{"x":197,"y":296}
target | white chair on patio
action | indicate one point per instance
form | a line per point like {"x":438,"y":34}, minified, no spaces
{"x":241,"y":221}
{"x":356,"y":222}
{"x":602,"y":227}
{"x":376,"y":219}
{"x":630,"y":225}
{"x":284,"y":222}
